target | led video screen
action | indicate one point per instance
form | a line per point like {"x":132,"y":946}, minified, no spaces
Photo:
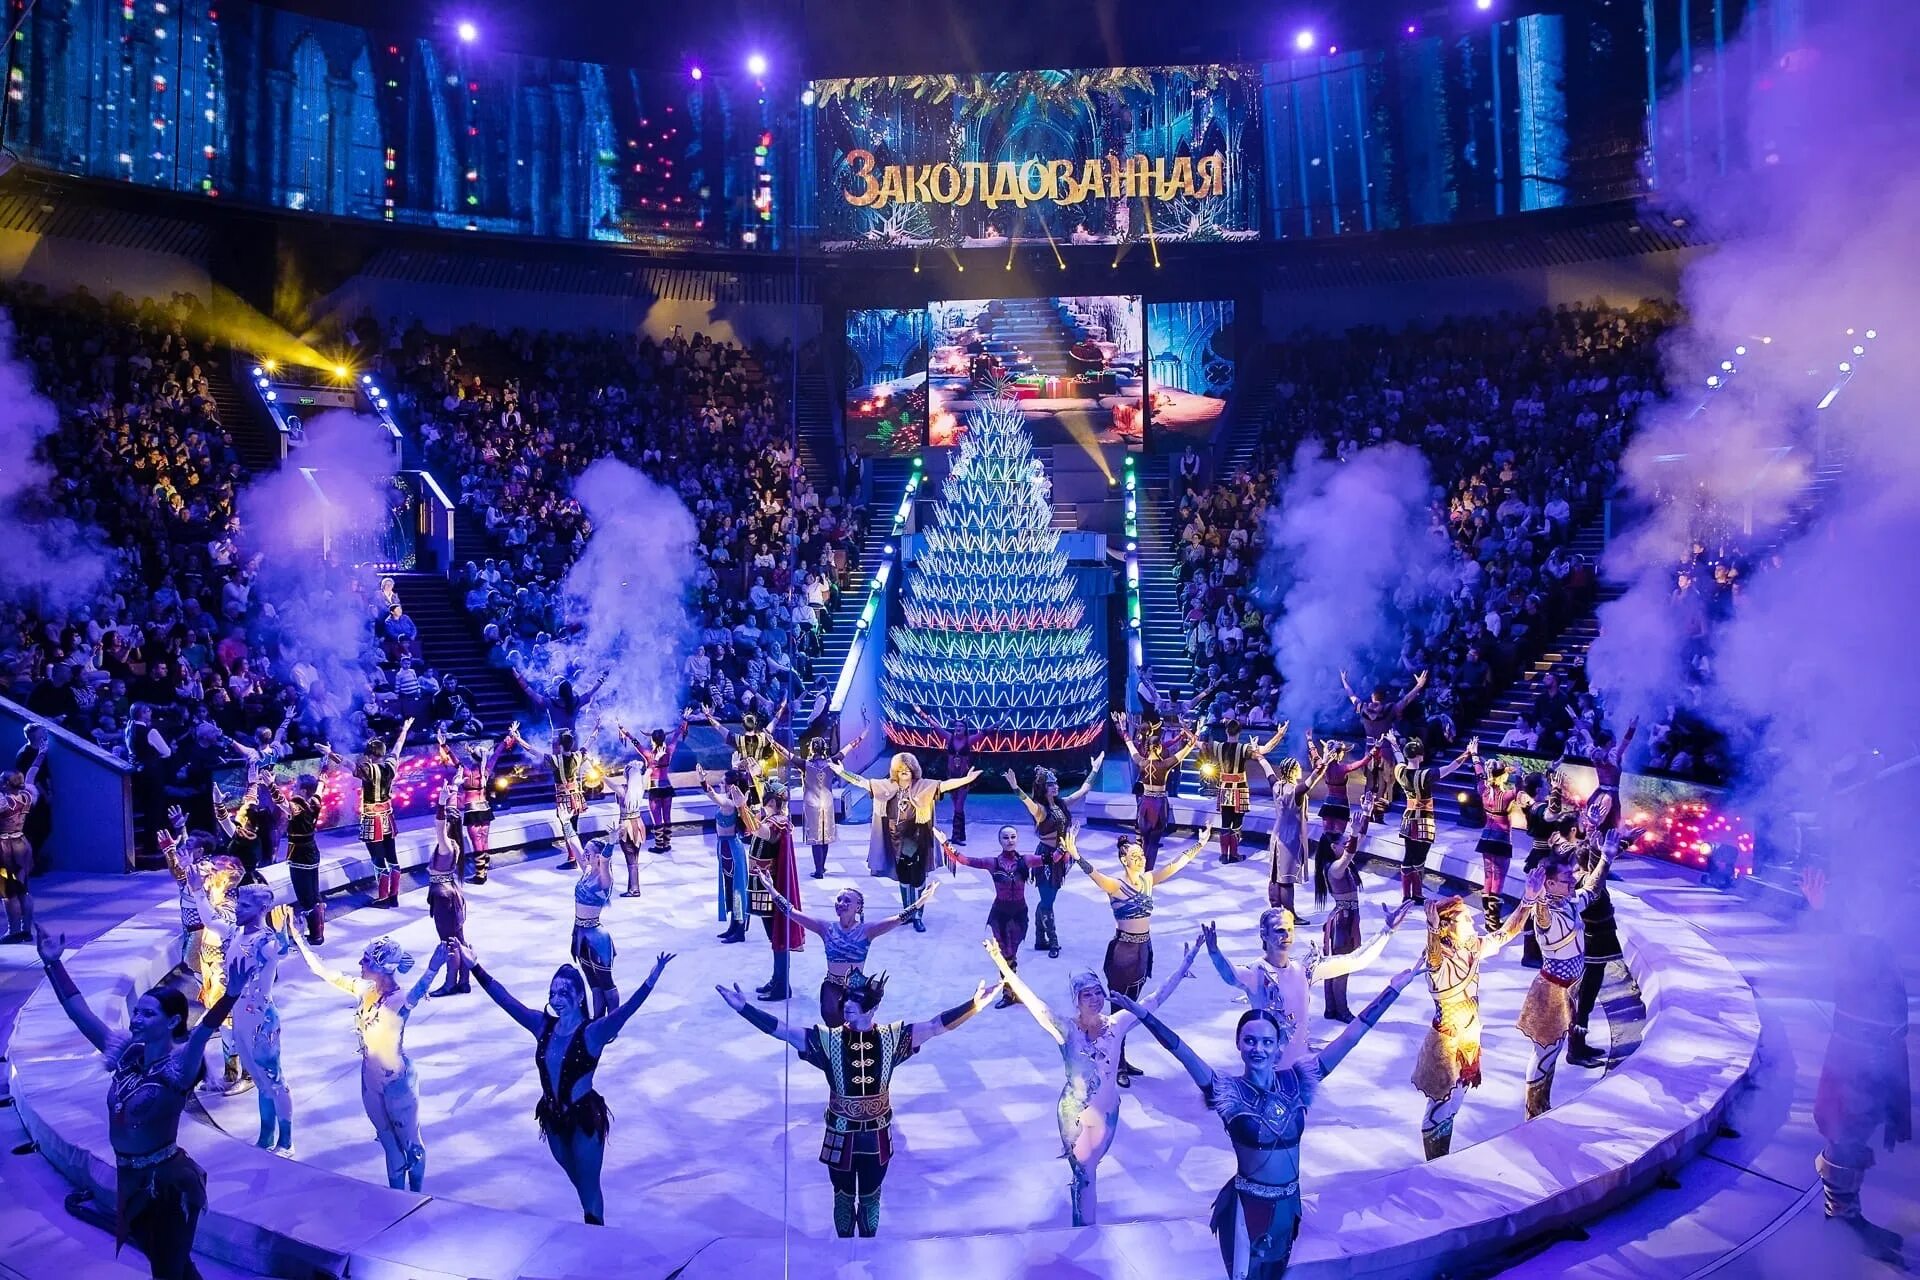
{"x":1191,"y":350}
{"x":1032,"y":157}
{"x":886,"y":405}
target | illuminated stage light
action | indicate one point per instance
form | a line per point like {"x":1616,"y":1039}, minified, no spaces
{"x":1766,"y":340}
{"x":1714,"y":380}
{"x":1873,"y":333}
{"x":468,"y":32}
{"x":1846,"y":366}
{"x":340,"y":371}
{"x":1727,"y":365}
{"x":806,"y":97}
{"x":697,"y":73}
{"x":1739,"y":351}
{"x":273,"y":395}
{"x":1483,"y":5}
{"x":1303,"y":41}
{"x":271,"y":365}
{"x":1859,"y":351}
{"x":1849,"y":333}
{"x":256,"y":371}
{"x":756,"y":64}
{"x":1413,"y":28}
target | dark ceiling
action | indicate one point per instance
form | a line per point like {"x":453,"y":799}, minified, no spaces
{"x":809,"y":38}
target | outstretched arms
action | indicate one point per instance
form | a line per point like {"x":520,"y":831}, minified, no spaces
{"x":1168,"y":870}
{"x":418,"y":991}
{"x":529,"y":1020}
{"x":941,"y":1023}
{"x":1013,"y":781}
{"x":1033,"y":1004}
{"x":954,"y":784}
{"x":1093,"y":772}
{"x":1124,"y":1021}
{"x":320,"y":970}
{"x":1221,"y":965}
{"x":1331,"y":1056}
{"x":66,"y":990}
{"x":806,"y":922}
{"x":762,"y":1020}
{"x":893,"y":922}
{"x":601,"y":1031}
{"x":1197,"y":1069}
{"x":1355,"y":961}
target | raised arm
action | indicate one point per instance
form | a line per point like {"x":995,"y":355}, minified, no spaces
{"x":1107,"y":883}
{"x":1013,"y":781}
{"x":1123,"y":1022}
{"x":1331,"y":1056}
{"x":66,"y":990}
{"x":854,"y":779}
{"x":762,"y":1020}
{"x":1193,"y":744}
{"x":1369,"y":951}
{"x":1419,"y":683}
{"x":1168,"y":870}
{"x":955,"y":856}
{"x":529,"y":1021}
{"x":1126,"y":739}
{"x":893,"y":922}
{"x":1033,"y":1004}
{"x":1197,"y":1069}
{"x":1093,"y":772}
{"x":204,"y":1030}
{"x":1221,"y":965}
{"x":954,"y":784}
{"x":941,"y":1023}
{"x":418,"y":991}
{"x":1261,"y":749}
{"x":601,"y":1031}
{"x":400,"y":741}
{"x":320,"y":970}
{"x":806,"y":922}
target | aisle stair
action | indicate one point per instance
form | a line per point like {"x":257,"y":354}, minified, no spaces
{"x":889,"y":477}
{"x":255,"y":437}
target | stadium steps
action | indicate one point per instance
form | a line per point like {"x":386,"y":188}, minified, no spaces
{"x":1033,"y":326}
{"x":450,"y":643}
{"x":818,"y":444}
{"x":889,"y":483}
{"x":255,"y":436}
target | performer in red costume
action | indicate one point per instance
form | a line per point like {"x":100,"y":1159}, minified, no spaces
{"x":770,"y":861}
{"x":473,"y":775}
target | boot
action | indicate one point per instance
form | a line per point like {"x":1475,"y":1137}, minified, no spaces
{"x":449,"y":986}
{"x":317,"y":924}
{"x":777,"y":988}
{"x":819,"y":862}
{"x":736,"y":932}
{"x":1539,"y":1097}
{"x":870,"y":1214}
{"x":959,"y":835}
{"x":1582,"y":1054}
{"x":1006,"y":996}
{"x":1438,"y":1142}
{"x":1412,"y":887}
{"x":1336,"y":1000}
{"x":843,"y":1211}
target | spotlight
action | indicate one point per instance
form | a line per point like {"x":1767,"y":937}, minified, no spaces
{"x":1873,"y":333}
{"x":806,"y":97}
{"x":271,"y":365}
{"x":340,"y":371}
{"x":1714,"y":380}
{"x":1859,"y":351}
{"x":1739,"y":351}
{"x":1766,"y":340}
{"x":273,"y":395}
{"x":697,"y":73}
{"x":366,"y":379}
{"x":756,"y":64}
{"x":256,"y":371}
{"x":1846,"y":366}
{"x":1727,"y":365}
{"x":468,"y":32}
{"x":1303,"y":41}
{"x":1849,"y":333}
{"x":1483,"y":5}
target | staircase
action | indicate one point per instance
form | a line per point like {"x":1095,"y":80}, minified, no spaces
{"x":451,"y":644}
{"x":255,"y":437}
{"x":1028,"y":335}
{"x":818,"y":443}
{"x":889,"y":476}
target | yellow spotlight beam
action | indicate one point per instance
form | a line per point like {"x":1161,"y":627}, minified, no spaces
{"x":1153,"y":242}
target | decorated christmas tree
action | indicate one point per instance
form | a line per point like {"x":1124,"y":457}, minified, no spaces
{"x":992,"y":632}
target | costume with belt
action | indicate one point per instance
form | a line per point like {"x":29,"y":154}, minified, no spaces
{"x":1261,"y":1120}
{"x":843,"y":946}
{"x":859,"y":1067}
{"x":559,"y":1112}
{"x":1417,"y":828}
{"x":731,"y":863}
{"x":1236,"y":796}
{"x":158,"y":1194}
{"x":1340,"y":931}
{"x":1050,"y":830}
{"x":659,"y":762}
{"x":569,"y":784}
{"x":592,"y":946}
{"x":770,"y":853}
{"x":376,"y":805}
{"x":1546,"y":1014}
{"x":1129,"y":959}
{"x":1448,"y":1062}
{"x":1007,"y":917}
{"x":1156,"y":812}
{"x":303,"y":862}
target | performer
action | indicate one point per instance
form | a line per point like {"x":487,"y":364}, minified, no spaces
{"x":1129,"y":961}
{"x":1416,"y":782}
{"x":730,"y":858}
{"x":303,"y":854}
{"x":1291,"y":788}
{"x":1230,"y":756}
{"x":1090,"y":1043}
{"x":961,"y":742}
{"x":1154,"y":816}
{"x":1052,"y":823}
{"x":657,"y":755}
{"x":1552,"y":907}
{"x":1256,"y":1216}
{"x":155,"y":1062}
{"x":1864,"y":1083}
{"x":19,"y":792}
{"x":254,"y":834}
{"x":859,"y":1061}
{"x":573,"y":1117}
{"x":902,"y":839}
{"x":1378,"y":716}
{"x":253,"y":954}
{"x":389,"y":1086}
{"x":1274,"y":982}
{"x":567,"y":762}
{"x":816,"y":796}
{"x":247,"y":826}
{"x":1602,"y":946}
{"x":1609,"y":762}
{"x":1498,"y":795}
{"x":1449,"y":1061}
{"x":376,"y":770}
{"x":756,"y":749}
{"x":773,"y":885}
{"x":592,"y":946}
{"x":628,"y":786}
{"x":1335,"y":811}
{"x":446,"y":904}
{"x":1007,"y":917}
{"x":473,"y":774}
{"x":848,"y":938}
{"x":182,"y":851}
{"x":211,"y":882}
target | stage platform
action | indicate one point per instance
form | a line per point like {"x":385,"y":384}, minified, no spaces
{"x":718,"y":1127}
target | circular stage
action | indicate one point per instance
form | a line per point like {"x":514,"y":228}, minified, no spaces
{"x":713,"y":1157}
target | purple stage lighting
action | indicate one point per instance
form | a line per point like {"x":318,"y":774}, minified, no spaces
{"x":696,"y":73}
{"x":1303,"y":41}
{"x":468,"y":32}
{"x":756,"y":64}
{"x":1483,"y":5}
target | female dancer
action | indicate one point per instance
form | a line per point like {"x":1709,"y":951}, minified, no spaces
{"x":303,"y":854}
{"x":1609,"y":762}
{"x":376,"y":771}
{"x":902,"y":841}
{"x":159,"y":1190}
{"x":389,"y":1086}
{"x":473,"y":774}
{"x":568,"y":764}
{"x":1231,"y":754}
{"x":629,"y":789}
{"x":758,"y":751}
{"x":657,"y":755}
{"x":731,"y":859}
{"x":1154,"y":817}
{"x":1498,"y":794}
{"x":446,"y":904}
{"x":1090,"y":1043}
{"x":1007,"y":918}
{"x":816,"y":796}
{"x":1416,"y":782}
{"x":1335,"y":811}
{"x":1378,"y":716}
{"x":573,"y":1117}
{"x":253,"y":963}
{"x":1291,"y":788}
{"x":1552,"y":908}
{"x":211,"y":883}
{"x":1602,"y":946}
{"x":1449,"y":1060}
{"x":592,"y":945}
{"x":848,"y":938}
{"x":773,"y":887}
{"x":1264,"y":1110}
{"x":1275,"y":983}
{"x":1129,"y":961}
{"x":1052,"y":823}
{"x":859,"y":1061}
{"x":19,"y":792}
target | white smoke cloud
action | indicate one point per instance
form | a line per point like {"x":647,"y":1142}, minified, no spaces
{"x":1355,"y":557}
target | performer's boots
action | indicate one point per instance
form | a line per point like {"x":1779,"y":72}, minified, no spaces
{"x":481,"y":857}
{"x":633,"y":875}
{"x":736,"y":931}
{"x":1229,"y":846}
{"x":449,"y":985}
{"x":777,"y":988}
{"x":1539,"y":1097}
{"x":1412,"y":887}
{"x":1579,"y":1052}
{"x":843,"y":1213}
{"x":870,"y":1214}
{"x":317,"y":924}
{"x":820,"y":862}
{"x":1006,"y":996}
{"x":1437,"y":1142}
{"x":959,"y":835}
{"x":1336,"y":1001}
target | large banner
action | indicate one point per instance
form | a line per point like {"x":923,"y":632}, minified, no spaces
{"x":1191,"y":348}
{"x":1035,"y":157}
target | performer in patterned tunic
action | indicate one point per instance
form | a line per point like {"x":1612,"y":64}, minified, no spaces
{"x":657,"y":755}
{"x":1335,"y":811}
{"x":859,"y":1060}
{"x":473,"y":771}
{"x":773,"y":883}
{"x":303,"y":854}
{"x":1449,"y":1060}
{"x":1498,"y":796}
{"x":1291,"y":788}
{"x":1416,"y":782}
{"x":1602,"y":945}
{"x":730,"y":858}
{"x":1378,"y":716}
{"x":816,"y":796}
{"x":376,"y":771}
{"x":1256,"y":1216}
{"x":567,"y":761}
{"x":755,"y":748}
{"x":1552,"y":908}
{"x":19,"y":792}
{"x":1230,"y":757}
{"x":1154,"y":816}
{"x":212,"y":884}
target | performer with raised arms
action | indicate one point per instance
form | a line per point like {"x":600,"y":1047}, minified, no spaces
{"x":1498,"y":795}
{"x":1276,"y":983}
{"x":1230,"y":755}
{"x":730,"y":858}
{"x":1292,"y":787}
{"x":901,"y":845}
{"x":446,"y":904}
{"x":848,"y":938}
{"x":758,"y":751}
{"x":1552,"y":908}
{"x":1416,"y":782}
{"x":1007,"y":917}
{"x":253,"y":953}
{"x":1154,"y":817}
{"x":1449,"y":1060}
{"x":376,"y":770}
{"x":1052,"y":823}
{"x":473,"y":770}
{"x":816,"y":795}
{"x":773,"y":886}
{"x":656,"y":754}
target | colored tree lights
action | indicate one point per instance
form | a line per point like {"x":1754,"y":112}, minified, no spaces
{"x":992,"y":631}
